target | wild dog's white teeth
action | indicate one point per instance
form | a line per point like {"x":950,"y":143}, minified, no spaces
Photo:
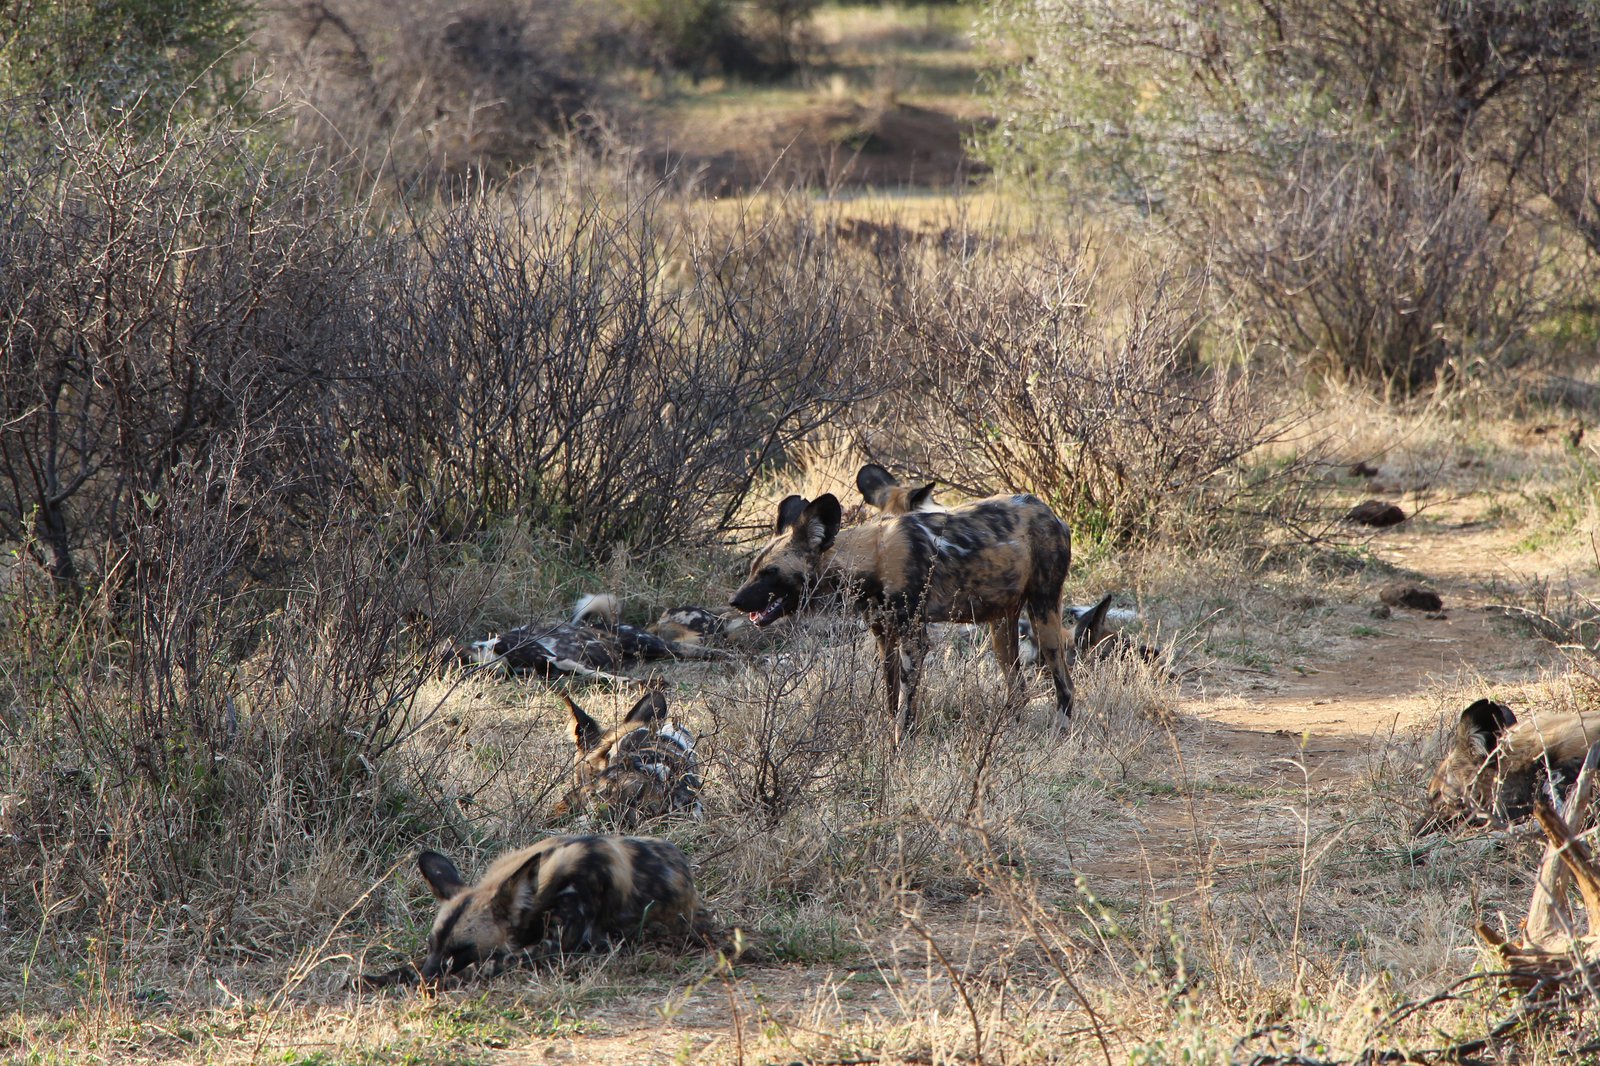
{"x":768,"y":614}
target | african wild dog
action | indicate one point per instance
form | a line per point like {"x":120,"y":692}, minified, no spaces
{"x":592,"y":644}
{"x":643,"y":768}
{"x":1096,"y":632}
{"x":879,"y":488}
{"x":697,"y":625}
{"x":563,"y":894}
{"x":983,"y":562}
{"x":1496,"y":764}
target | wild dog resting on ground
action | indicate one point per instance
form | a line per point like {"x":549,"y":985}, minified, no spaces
{"x":982,"y":562}
{"x":1096,"y":632}
{"x":643,"y":768}
{"x":592,"y":644}
{"x":564,"y":894}
{"x":697,"y":625}
{"x":1496,"y":765}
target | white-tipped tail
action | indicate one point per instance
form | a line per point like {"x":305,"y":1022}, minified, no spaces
{"x":597,"y":606}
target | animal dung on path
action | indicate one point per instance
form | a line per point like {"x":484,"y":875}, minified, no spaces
{"x":1377,"y":513}
{"x":1407,"y":594}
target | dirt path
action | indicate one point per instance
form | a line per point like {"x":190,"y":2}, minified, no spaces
{"x":1262,"y":739}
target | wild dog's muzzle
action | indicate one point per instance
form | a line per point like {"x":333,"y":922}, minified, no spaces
{"x":767,"y":615}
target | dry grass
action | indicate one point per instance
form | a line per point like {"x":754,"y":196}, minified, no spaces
{"x":1214,"y":852}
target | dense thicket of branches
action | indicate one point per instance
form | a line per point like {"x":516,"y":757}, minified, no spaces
{"x":1367,"y":164}
{"x":162,"y":299}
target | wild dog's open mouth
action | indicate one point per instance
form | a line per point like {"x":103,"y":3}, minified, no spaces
{"x":768,"y":614}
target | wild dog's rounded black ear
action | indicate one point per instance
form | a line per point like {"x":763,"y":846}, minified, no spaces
{"x":819,"y":522}
{"x":921,"y":496}
{"x":1482,"y":723}
{"x":514,"y":894}
{"x":1088,"y":628}
{"x":789,"y":512}
{"x":586,"y":732}
{"x":652,"y":707}
{"x":875,"y":482}
{"x":441,"y":874}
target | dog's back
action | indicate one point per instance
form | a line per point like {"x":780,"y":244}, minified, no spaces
{"x":974,"y":563}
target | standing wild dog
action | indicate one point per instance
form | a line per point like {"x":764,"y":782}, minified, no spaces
{"x":983,"y":562}
{"x":563,"y":894}
{"x":643,"y":768}
{"x":879,"y":488}
{"x":1496,"y":765}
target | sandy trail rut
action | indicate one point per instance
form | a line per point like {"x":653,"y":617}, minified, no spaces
{"x":1263,"y":742}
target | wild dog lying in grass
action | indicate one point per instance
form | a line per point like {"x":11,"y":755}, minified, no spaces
{"x":564,"y":894}
{"x":643,"y":768}
{"x":698,"y":625}
{"x":592,"y":644}
{"x":1096,"y":632}
{"x":983,"y":562}
{"x":1496,"y":764}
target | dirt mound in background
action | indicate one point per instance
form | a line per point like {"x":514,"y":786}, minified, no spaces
{"x":834,"y":145}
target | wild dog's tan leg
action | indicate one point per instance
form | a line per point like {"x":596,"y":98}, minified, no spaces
{"x":1008,"y":652}
{"x":913,"y":649}
{"x":889,"y":652}
{"x":1057,"y":652}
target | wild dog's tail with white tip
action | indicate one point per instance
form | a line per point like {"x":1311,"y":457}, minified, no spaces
{"x":597,"y":607}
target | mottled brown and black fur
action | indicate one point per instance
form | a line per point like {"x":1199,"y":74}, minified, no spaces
{"x":697,"y":625}
{"x":644,"y":768}
{"x":879,"y":488}
{"x":1496,"y":765}
{"x":564,"y":894}
{"x":984,"y":562}
{"x":593,"y":644}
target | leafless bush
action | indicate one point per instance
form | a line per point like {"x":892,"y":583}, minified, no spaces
{"x":1369,"y":167}
{"x":793,"y":730}
{"x":1028,"y":372}
{"x":558,"y":362}
{"x":156,"y":295}
{"x":199,"y":761}
{"x":529,"y":359}
{"x":1392,"y":272}
{"x":430,"y":96}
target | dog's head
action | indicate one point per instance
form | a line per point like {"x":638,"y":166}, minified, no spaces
{"x":1463,"y":784}
{"x":475,"y":923}
{"x":1089,"y":624}
{"x":785,"y":571}
{"x":880,"y":489}
{"x":643,"y":768}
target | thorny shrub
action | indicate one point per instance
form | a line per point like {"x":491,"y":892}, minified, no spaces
{"x":606,"y":375}
{"x":191,"y":750}
{"x":545,"y":359}
{"x":1378,"y":269}
{"x":157,"y":295}
{"x":1024,"y":371}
